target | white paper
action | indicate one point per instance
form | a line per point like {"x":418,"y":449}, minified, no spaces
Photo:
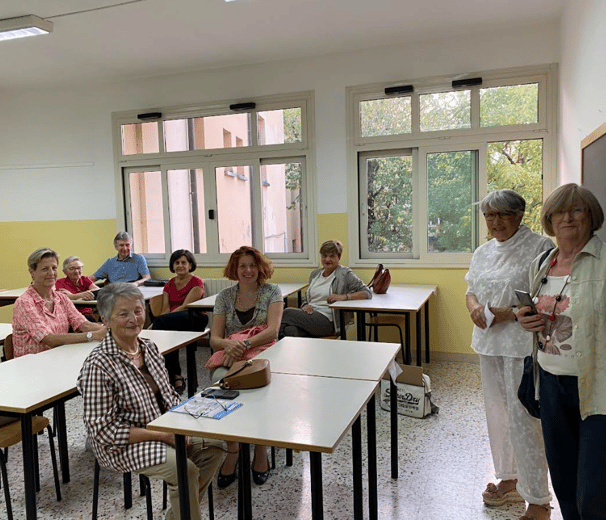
{"x":488,"y":315}
{"x":394,"y":371}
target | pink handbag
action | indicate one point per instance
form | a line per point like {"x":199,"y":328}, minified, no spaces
{"x":216,"y":360}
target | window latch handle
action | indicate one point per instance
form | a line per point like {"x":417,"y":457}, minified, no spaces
{"x":211,"y":214}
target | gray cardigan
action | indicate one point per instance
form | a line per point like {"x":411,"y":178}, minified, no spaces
{"x":345,"y":282}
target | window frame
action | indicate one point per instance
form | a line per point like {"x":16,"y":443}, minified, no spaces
{"x":303,"y":151}
{"x":422,"y":143}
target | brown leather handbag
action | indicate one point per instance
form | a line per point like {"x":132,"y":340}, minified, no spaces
{"x":380,"y":280}
{"x":243,"y":375}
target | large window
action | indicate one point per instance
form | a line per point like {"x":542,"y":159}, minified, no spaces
{"x":210,"y":179}
{"x":421,"y":159}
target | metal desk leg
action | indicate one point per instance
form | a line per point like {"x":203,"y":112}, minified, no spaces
{"x":192,"y":372}
{"x":61,"y":430}
{"x":356,"y":447}
{"x":419,"y":338}
{"x":299,"y":299}
{"x":371,"y":422}
{"x":288,"y":457}
{"x":29,"y":470}
{"x":317,"y":499}
{"x":342,"y":325}
{"x":426,"y":317}
{"x":361,"y":326}
{"x":244,"y":492}
{"x":393,"y":405}
{"x":182,"y":479}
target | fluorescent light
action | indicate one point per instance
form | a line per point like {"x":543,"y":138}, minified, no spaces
{"x":24,"y":26}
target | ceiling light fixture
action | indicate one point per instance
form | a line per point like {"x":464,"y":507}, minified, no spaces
{"x":24,"y":26}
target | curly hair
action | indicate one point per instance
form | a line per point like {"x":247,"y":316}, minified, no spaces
{"x":266,"y":268}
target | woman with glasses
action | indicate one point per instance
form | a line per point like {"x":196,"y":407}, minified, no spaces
{"x":498,"y":268}
{"x":569,"y":329}
{"x":75,"y":286}
{"x":125,"y":386}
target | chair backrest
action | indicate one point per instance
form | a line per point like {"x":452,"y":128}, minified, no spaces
{"x":8,"y":347}
{"x":155,"y":305}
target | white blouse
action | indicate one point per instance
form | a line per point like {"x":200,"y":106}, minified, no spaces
{"x":497,"y":269}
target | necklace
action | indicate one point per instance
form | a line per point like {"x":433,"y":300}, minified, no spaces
{"x":558,"y":298}
{"x":135,"y":354}
{"x":241,"y":305}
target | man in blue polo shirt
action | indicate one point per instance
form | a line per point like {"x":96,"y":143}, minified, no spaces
{"x":126,"y":266}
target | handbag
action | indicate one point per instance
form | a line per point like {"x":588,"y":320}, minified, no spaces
{"x":216,"y":360}
{"x":380,"y":280}
{"x":243,"y":375}
{"x":527,"y":391}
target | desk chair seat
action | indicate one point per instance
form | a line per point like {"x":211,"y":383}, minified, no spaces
{"x":375,"y":321}
{"x":10,"y":434}
{"x":145,"y":486}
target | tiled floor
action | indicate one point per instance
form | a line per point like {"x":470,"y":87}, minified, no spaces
{"x":444,"y":466}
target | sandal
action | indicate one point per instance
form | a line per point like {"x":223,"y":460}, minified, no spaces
{"x":179,"y":384}
{"x":537,"y":512}
{"x":495,"y":497}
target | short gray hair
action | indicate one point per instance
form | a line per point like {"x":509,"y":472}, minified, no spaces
{"x":122,"y":235}
{"x":504,"y":200}
{"x":110,"y":294}
{"x":69,"y":260}
{"x":40,"y":254}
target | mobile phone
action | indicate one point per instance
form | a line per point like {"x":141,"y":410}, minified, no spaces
{"x":219,"y":393}
{"x":526,"y":301}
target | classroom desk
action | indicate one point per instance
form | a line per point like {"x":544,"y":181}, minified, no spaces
{"x":5,"y":330}
{"x":345,"y":360}
{"x":33,"y":383}
{"x":8,"y":297}
{"x":399,"y":299}
{"x":291,"y":412}
{"x":208,"y":303}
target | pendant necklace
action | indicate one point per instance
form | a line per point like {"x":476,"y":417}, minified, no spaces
{"x":558,"y":298}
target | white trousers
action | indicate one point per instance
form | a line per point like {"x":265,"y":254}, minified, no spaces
{"x":516,"y":438}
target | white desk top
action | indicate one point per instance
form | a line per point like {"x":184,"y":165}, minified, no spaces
{"x":293,"y":411}
{"x":29,"y":382}
{"x":208,"y":303}
{"x":331,"y":358}
{"x":5,"y":330}
{"x":13,"y":294}
{"x":398,"y":298}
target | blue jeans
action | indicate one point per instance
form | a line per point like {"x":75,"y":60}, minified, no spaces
{"x":575,"y":449}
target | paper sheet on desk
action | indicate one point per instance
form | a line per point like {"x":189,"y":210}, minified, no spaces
{"x":488,"y":315}
{"x":198,"y":406}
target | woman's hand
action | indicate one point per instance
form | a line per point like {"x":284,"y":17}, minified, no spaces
{"x":234,"y":349}
{"x":478,"y":317}
{"x":98,"y":335}
{"x":307,"y":309}
{"x":228,"y":361}
{"x":336,"y":298}
{"x":87,"y":295}
{"x":532,"y":323}
{"x":502,"y":314}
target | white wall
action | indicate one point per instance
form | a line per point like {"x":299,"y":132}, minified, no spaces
{"x":71,"y":125}
{"x":582,"y":81}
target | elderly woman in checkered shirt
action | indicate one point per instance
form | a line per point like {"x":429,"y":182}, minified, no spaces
{"x":125,"y":386}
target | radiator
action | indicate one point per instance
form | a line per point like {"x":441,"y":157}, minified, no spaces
{"x":216,"y":285}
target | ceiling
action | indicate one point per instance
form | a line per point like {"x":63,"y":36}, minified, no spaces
{"x":124,"y":39}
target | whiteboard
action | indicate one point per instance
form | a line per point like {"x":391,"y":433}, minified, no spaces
{"x":593,"y":167}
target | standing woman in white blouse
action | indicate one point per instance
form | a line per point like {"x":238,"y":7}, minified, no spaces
{"x":497,"y":269}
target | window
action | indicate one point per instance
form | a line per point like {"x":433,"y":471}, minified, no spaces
{"x":208,"y":180}
{"x":423,"y":160}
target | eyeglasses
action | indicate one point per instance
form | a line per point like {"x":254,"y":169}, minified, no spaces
{"x":577,"y":212}
{"x":503,"y":215}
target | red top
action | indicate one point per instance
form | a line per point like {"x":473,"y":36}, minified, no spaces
{"x":176,"y":297}
{"x":84,"y":282}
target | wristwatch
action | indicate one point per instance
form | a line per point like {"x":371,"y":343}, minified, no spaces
{"x":247,"y":344}
{"x":89,"y":336}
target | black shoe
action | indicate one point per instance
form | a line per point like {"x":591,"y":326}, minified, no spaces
{"x":224,"y":481}
{"x":179,"y":385}
{"x":259,"y":477}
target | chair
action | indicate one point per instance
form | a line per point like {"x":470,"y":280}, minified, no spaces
{"x":155,"y":308}
{"x":375,"y":321}
{"x":10,"y":434}
{"x":145,"y":487}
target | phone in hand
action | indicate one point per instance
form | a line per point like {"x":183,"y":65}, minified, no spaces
{"x":526,"y":301}
{"x":219,"y":393}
